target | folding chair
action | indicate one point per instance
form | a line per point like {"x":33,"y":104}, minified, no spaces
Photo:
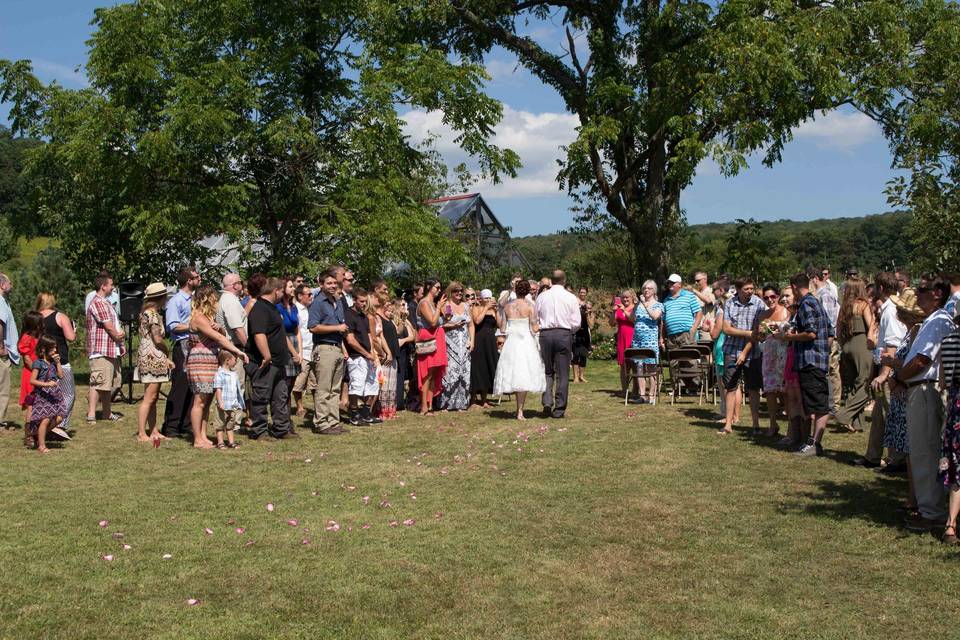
{"x":689,"y":364}
{"x":638,"y":371}
{"x":706,"y":363}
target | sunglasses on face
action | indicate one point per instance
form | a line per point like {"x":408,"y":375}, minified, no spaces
{"x":771,"y":297}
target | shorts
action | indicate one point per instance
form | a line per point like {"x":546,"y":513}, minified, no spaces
{"x":815,"y":391}
{"x":104,"y":373}
{"x":306,"y":380}
{"x":363,"y":377}
{"x":751,"y":372}
{"x":229,"y":419}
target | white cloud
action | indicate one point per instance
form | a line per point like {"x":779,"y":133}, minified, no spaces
{"x":839,"y":130}
{"x":64,"y":74}
{"x":536,"y":137}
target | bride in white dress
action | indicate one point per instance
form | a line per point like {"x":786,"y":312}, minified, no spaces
{"x":520,"y":368}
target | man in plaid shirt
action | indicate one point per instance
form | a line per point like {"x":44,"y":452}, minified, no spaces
{"x":811,"y":340}
{"x":740,"y":358}
{"x":820,"y":288}
{"x":104,"y":348}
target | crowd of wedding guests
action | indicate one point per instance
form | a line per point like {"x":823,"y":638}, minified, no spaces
{"x":245,"y":357}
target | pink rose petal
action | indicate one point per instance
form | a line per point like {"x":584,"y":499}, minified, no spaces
{"x":365,"y":499}
{"x":292,"y":522}
{"x":413,"y":496}
{"x":409,"y":522}
{"x":240,"y":530}
{"x":108,"y":558}
{"x":192,"y":602}
{"x":365,"y":525}
{"x":438,"y":515}
{"x":127,"y":547}
{"x":333,"y":526}
{"x":394,"y":523}
{"x":103,"y":523}
{"x":270,"y":507}
{"x":305,"y":541}
{"x":208,"y":531}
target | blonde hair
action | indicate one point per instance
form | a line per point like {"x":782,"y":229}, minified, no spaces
{"x":453,"y":285}
{"x":46,"y":300}
{"x":629,"y":293}
{"x":205,"y":301}
{"x":400,"y":312}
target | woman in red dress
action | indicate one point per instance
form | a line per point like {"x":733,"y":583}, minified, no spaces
{"x":623,"y":306}
{"x":431,"y":366}
{"x":27,"y":346}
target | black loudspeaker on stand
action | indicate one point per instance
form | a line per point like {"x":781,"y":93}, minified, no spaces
{"x":131,"y":300}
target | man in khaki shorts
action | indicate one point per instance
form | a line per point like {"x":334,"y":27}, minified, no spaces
{"x":104,"y":348}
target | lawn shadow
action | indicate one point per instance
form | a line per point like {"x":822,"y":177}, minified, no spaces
{"x":877,"y":501}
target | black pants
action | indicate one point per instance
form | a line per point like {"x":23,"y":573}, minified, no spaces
{"x":176,"y":413}
{"x":268,"y":388}
{"x":556,"y":349}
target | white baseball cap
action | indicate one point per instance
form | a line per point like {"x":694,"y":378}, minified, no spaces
{"x":486,"y":293}
{"x":674,"y":278}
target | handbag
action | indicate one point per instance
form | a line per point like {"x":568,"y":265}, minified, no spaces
{"x":426,"y":347}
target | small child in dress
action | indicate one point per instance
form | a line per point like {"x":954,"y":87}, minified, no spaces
{"x":48,"y":406}
{"x":229,"y":397}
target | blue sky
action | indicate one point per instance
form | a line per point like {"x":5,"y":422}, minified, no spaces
{"x":837,"y":165}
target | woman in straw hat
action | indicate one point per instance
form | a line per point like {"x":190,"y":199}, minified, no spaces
{"x":895,"y":429}
{"x":153,"y":360}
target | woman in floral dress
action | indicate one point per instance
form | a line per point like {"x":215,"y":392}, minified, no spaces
{"x":774,"y":353}
{"x":458,"y":326}
{"x":950,"y":458}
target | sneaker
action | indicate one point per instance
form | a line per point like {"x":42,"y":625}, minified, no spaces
{"x":809,"y":450}
{"x":355,"y":418}
{"x":368,"y":418}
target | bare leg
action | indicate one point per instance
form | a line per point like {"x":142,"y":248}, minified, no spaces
{"x":298,"y":400}
{"x":148,"y":408}
{"x":773,"y":407}
{"x":42,"y":436}
{"x":954,"y":509}
{"x":819,"y":426}
{"x":733,"y":404}
{"x":220,"y":437}
{"x":521,"y":398}
{"x":197,"y":420}
{"x":426,"y":395}
{"x":623,"y":378}
{"x":106,"y":398}
{"x":92,"y":395}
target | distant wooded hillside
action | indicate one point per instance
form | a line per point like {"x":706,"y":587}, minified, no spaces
{"x":764,"y":250}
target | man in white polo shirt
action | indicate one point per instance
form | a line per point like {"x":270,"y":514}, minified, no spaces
{"x":558,"y":313}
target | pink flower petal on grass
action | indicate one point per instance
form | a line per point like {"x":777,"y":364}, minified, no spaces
{"x":365,"y":499}
{"x":305,"y":542}
{"x":394,"y":523}
{"x":208,"y":531}
{"x":127,"y":547}
{"x":365,"y":525}
{"x":313,"y":493}
{"x":270,"y":507}
{"x":385,"y":504}
{"x":413,"y":496}
{"x":409,"y":522}
{"x":333,"y":526}
{"x":108,"y":558}
{"x":192,"y":602}
{"x":438,"y":515}
{"x":240,"y":530}
{"x":292,"y":522}
{"x":249,"y":543}
{"x":103,"y":523}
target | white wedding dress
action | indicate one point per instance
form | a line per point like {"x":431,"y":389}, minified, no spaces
{"x":520,"y":367}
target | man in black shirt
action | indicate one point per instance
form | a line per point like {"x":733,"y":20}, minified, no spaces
{"x":267,"y":348}
{"x":362,"y":363}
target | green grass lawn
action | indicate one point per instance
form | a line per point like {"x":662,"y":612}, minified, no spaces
{"x":615,"y":522}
